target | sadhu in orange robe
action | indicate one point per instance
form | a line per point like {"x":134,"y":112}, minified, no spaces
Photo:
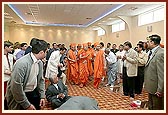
{"x":73,"y":65}
{"x":83,"y":69}
{"x":90,"y":51}
{"x":98,"y":67}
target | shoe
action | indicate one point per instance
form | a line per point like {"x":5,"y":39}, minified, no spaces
{"x":107,"y":85}
{"x":72,"y":83}
{"x":103,"y":79}
{"x":111,"y":86}
{"x":81,"y":85}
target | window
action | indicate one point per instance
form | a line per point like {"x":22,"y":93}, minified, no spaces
{"x":118,"y":26}
{"x":152,"y":16}
{"x":159,"y":15}
{"x":100,"y":32}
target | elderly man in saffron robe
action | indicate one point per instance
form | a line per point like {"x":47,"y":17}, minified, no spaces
{"x":90,"y":57}
{"x":99,"y":66}
{"x":73,"y":65}
{"x":83,"y":69}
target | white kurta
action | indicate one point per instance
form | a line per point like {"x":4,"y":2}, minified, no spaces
{"x":120,"y":62}
{"x":53,"y":62}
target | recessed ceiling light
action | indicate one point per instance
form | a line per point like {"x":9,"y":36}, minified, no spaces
{"x":8,"y":17}
{"x":133,"y":8}
{"x":28,"y":13}
{"x":67,"y":11}
{"x":6,"y":14}
{"x":88,"y":18}
{"x":13,"y":22}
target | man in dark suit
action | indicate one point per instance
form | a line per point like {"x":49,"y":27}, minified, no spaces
{"x":154,"y":74}
{"x":57,"y":92}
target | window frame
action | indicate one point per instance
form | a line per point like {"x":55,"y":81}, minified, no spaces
{"x":153,"y":19}
{"x":117,"y":26}
{"x":100,"y":32}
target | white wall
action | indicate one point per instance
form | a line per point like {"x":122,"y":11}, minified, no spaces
{"x":140,"y":32}
{"x":50,"y":34}
{"x":137,"y":33}
{"x":69,"y":35}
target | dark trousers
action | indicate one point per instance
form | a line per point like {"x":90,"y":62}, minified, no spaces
{"x":128,"y":84}
{"x":34,"y":98}
{"x":45,"y":67}
{"x":155,"y":102}
{"x":5,"y":101}
{"x":131,"y":86}
{"x":125,"y":82}
{"x":5,"y":104}
{"x":139,"y":80}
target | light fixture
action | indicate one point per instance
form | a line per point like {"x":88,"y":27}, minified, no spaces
{"x":6,"y":14}
{"x":88,"y":18}
{"x":133,"y":8}
{"x":28,"y":13}
{"x":8,"y":17}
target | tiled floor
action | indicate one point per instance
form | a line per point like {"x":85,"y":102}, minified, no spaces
{"x":107,"y":99}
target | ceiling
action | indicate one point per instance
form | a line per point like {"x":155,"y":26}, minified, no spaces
{"x":70,"y":14}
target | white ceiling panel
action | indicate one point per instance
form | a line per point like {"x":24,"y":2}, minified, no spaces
{"x":79,"y":15}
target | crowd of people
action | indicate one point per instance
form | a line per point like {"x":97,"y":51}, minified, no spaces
{"x":27,"y":67}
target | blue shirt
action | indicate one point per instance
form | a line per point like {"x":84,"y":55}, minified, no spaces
{"x":20,"y":54}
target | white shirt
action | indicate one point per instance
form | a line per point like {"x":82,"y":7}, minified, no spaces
{"x":126,"y":52}
{"x":7,"y":68}
{"x":111,"y":58}
{"x":120,"y":62}
{"x":53,"y":62}
{"x":32,"y":80}
{"x":15,"y":52}
{"x":56,"y":86}
{"x":153,"y":50}
{"x":120,"y":53}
